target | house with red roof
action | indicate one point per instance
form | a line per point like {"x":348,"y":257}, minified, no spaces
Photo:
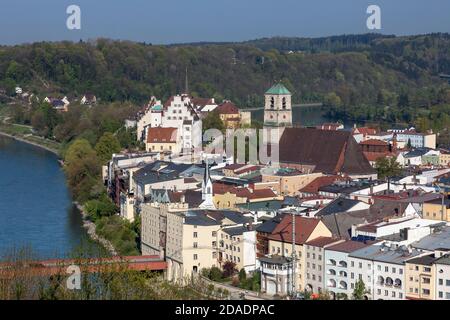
{"x":231,"y":116}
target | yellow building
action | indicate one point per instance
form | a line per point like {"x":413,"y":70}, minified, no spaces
{"x":280,"y":242}
{"x":287,"y":181}
{"x":227,"y":197}
{"x":231,"y":116}
{"x":434,"y":209}
{"x":420,"y":278}
{"x":191,"y":244}
{"x":444,"y":158}
{"x":162,"y":140}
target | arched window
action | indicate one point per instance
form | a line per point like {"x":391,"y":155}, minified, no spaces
{"x":380,"y":280}
{"x":343,"y":274}
{"x":342,"y":285}
{"x":331,"y":283}
{"x":272,"y":102}
{"x":398,"y":283}
{"x":343,"y":264}
{"x":389,"y":281}
{"x":331,"y":272}
{"x":331,"y":262}
{"x":284,"y":103}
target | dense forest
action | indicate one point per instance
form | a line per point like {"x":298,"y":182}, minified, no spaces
{"x":357,"y":68}
{"x":367,"y":77}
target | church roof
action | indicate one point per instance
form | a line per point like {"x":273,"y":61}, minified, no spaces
{"x":278,"y":88}
{"x":329,"y":152}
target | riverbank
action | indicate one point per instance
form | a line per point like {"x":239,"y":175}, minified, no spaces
{"x":88,"y":225}
{"x":91,"y":231}
{"x":35,"y":142}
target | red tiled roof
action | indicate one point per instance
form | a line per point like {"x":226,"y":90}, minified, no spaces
{"x":227,"y":107}
{"x":365,"y":131}
{"x":349,"y":246}
{"x":313,"y":186}
{"x":162,"y":135}
{"x":321,"y":241}
{"x":374,"y":156}
{"x":374,"y":142}
{"x":303,"y":229}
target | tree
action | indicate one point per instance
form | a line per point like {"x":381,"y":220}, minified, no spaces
{"x":242,"y":275}
{"x":106,"y":146}
{"x":82,"y":167}
{"x":213,"y":121}
{"x":387,"y":167}
{"x":360,"y":290}
{"x":229,"y":269}
{"x":215,"y":274}
{"x":98,"y":208}
{"x":332,"y":99}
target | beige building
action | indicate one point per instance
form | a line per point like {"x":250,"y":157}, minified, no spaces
{"x":162,"y":140}
{"x":444,"y":158}
{"x":187,"y":239}
{"x":287,"y":181}
{"x":280,"y":242}
{"x":191,"y":240}
{"x":434,"y":210}
{"x":420,"y":278}
{"x":315,"y":263}
{"x":238,"y":245}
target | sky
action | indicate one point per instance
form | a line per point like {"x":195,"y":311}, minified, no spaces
{"x":178,"y":21}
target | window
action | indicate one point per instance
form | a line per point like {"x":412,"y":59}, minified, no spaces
{"x":379,"y":268}
{"x":447,"y":295}
{"x":352,"y":263}
{"x":447,"y":283}
{"x":214,"y":233}
{"x":441,"y":294}
{"x":400,"y":295}
{"x":360,"y":265}
{"x":195,"y":235}
{"x":394,"y":270}
{"x":400,"y":271}
{"x":426,"y":280}
{"x":441,"y":282}
{"x":284,"y":103}
{"x":195,"y":245}
{"x":272,"y":102}
{"x":386,"y":293}
{"x":426,"y":269}
{"x":195,"y":257}
{"x":426,"y":292}
{"x":393,"y":294}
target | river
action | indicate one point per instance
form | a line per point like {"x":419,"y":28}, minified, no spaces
{"x":36,"y":211}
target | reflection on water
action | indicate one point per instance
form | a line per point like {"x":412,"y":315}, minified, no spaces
{"x":36,"y":210}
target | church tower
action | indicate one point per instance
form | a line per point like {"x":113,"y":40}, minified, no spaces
{"x":207,"y":190}
{"x":278,"y":107}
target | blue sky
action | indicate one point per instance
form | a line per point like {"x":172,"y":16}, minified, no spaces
{"x":174,"y":21}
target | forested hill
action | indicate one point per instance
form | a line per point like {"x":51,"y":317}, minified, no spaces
{"x":344,"y":70}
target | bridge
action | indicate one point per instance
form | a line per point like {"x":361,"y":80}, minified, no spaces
{"x":89,"y":265}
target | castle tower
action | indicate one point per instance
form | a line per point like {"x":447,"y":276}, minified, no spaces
{"x":278,"y":107}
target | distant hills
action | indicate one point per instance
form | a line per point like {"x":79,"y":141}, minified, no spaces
{"x":366,"y":69}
